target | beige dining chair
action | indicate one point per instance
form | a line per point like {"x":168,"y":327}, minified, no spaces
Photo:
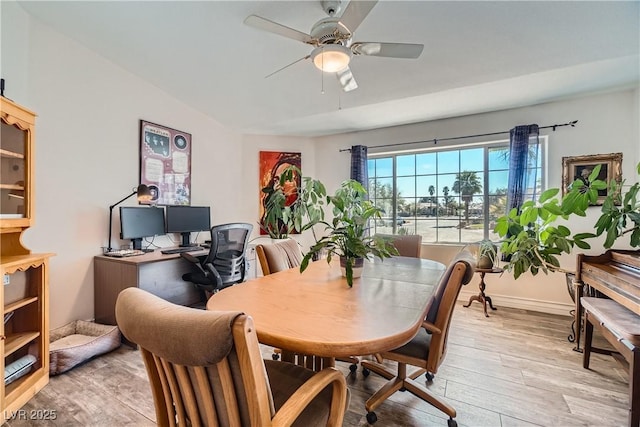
{"x":408,"y":245}
{"x":427,"y":349}
{"x":278,"y":256}
{"x":206,"y":369}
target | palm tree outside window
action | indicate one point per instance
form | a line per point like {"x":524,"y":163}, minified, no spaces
{"x":467,"y":184}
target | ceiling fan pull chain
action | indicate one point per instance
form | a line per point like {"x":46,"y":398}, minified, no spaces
{"x":322,"y":75}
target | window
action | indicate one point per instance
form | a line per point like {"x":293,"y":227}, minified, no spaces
{"x":450,"y":196}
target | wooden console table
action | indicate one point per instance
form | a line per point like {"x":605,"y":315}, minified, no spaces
{"x":481,"y":297}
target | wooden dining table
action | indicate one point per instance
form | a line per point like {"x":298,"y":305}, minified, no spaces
{"x":317,"y":313}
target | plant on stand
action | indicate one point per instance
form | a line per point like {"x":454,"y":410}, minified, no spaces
{"x":348,"y":233}
{"x":487,"y":253}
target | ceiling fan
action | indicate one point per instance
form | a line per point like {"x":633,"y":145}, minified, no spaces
{"x":332,"y":40}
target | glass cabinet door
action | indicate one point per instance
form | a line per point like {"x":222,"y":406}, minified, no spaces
{"x":13,"y":149}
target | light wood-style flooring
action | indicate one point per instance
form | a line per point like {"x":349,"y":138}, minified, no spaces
{"x":514,"y":368}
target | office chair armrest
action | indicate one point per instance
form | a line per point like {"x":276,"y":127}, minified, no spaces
{"x":308,"y":391}
{"x":193,"y":260}
{"x":211,"y":271}
{"x":189,"y":257}
{"x":430,"y":327}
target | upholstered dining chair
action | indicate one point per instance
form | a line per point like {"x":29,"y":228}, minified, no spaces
{"x":408,"y":245}
{"x":205,"y":369}
{"x":427,"y":349}
{"x":278,"y":256}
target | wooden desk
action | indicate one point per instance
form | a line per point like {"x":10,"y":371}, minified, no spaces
{"x":154,"y":272}
{"x":317,"y":313}
{"x":481,"y":297}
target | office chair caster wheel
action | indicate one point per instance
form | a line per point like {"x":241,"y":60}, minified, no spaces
{"x":429,"y":376}
{"x":275,"y":356}
{"x":372,"y":417}
{"x":353,"y":368}
{"x":452,"y":423}
{"x":365,"y":372}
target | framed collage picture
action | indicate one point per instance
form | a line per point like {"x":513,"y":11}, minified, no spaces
{"x":165,"y":163}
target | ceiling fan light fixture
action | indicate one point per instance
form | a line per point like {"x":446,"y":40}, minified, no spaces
{"x":331,"y":58}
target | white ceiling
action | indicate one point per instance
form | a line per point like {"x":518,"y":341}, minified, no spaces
{"x":479,"y":56}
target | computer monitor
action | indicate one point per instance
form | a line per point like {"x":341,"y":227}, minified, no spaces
{"x":187,"y":219}
{"x":139,"y":222}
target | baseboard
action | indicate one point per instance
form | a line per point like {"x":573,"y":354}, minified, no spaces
{"x":550,"y":307}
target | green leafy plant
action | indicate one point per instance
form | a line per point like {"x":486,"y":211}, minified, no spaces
{"x":487,"y":254}
{"x":281,"y":219}
{"x":620,"y":214}
{"x":532,"y":240}
{"x":348,"y":232}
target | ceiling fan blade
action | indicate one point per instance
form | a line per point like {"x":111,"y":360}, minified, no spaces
{"x":294,"y":62}
{"x":273,"y":27}
{"x":346,"y":79}
{"x":391,"y":50}
{"x":355,"y":13}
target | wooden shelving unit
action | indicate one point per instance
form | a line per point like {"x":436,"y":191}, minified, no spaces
{"x":25,"y":300}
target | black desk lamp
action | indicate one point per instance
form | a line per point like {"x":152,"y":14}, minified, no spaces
{"x":144,"y":195}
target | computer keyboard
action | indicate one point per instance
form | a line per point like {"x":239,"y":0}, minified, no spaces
{"x":181,"y":249}
{"x":124,"y":252}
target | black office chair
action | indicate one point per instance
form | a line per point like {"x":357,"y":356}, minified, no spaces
{"x":225,"y":264}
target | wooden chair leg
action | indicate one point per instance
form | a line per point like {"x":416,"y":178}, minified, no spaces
{"x":588,"y":336}
{"x":383,"y":394}
{"x":378,"y":369}
{"x":423,"y":394}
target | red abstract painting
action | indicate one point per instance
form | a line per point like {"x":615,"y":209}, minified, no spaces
{"x":272,"y":163}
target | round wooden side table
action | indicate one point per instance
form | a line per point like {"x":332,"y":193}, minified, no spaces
{"x":481,"y":297}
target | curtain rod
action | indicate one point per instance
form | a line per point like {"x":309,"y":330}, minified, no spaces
{"x":435,"y":140}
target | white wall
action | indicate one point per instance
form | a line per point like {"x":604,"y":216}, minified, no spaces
{"x":607,"y":123}
{"x":87,"y":155}
{"x":14,"y":42}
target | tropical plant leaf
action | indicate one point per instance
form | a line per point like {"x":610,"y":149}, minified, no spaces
{"x":548,"y":194}
{"x":563,"y":231}
{"x":582,"y":236}
{"x":594,"y":173}
{"x":582,"y":244}
{"x":553,"y":208}
{"x":529,"y":215}
{"x":612,"y":235}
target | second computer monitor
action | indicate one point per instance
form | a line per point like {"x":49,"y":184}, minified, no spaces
{"x":187,"y":219}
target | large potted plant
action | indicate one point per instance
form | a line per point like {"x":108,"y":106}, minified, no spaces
{"x":348,"y":233}
{"x":283,"y":216}
{"x":532,"y":239}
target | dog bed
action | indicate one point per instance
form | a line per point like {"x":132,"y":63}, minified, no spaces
{"x":79,"y":341}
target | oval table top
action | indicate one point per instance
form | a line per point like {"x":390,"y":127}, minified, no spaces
{"x":316,"y":312}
